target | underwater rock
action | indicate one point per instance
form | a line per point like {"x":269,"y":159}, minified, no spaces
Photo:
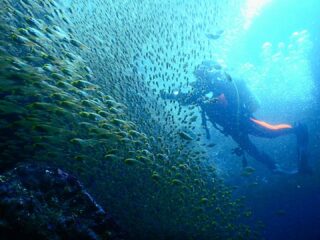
{"x":48,"y":203}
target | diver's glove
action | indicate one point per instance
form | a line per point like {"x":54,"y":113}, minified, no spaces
{"x":238,"y":151}
{"x":209,"y":101}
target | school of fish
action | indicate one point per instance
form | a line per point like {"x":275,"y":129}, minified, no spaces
{"x":80,"y":83}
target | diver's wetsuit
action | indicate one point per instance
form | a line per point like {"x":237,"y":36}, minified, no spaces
{"x":230,"y":109}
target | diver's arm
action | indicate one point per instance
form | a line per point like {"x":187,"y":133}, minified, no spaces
{"x":182,"y":98}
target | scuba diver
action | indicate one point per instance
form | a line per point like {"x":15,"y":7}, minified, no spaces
{"x":229,"y":106}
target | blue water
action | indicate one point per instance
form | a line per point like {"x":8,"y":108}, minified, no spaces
{"x":280,"y":54}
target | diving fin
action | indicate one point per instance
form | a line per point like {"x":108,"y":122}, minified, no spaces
{"x":302,"y":134}
{"x":303,"y":167}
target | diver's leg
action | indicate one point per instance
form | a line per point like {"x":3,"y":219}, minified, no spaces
{"x":245,"y":143}
{"x":262,"y":129}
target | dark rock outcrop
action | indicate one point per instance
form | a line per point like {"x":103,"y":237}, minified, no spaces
{"x":48,"y":203}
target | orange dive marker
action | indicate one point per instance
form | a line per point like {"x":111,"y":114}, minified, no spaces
{"x":270,"y":126}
